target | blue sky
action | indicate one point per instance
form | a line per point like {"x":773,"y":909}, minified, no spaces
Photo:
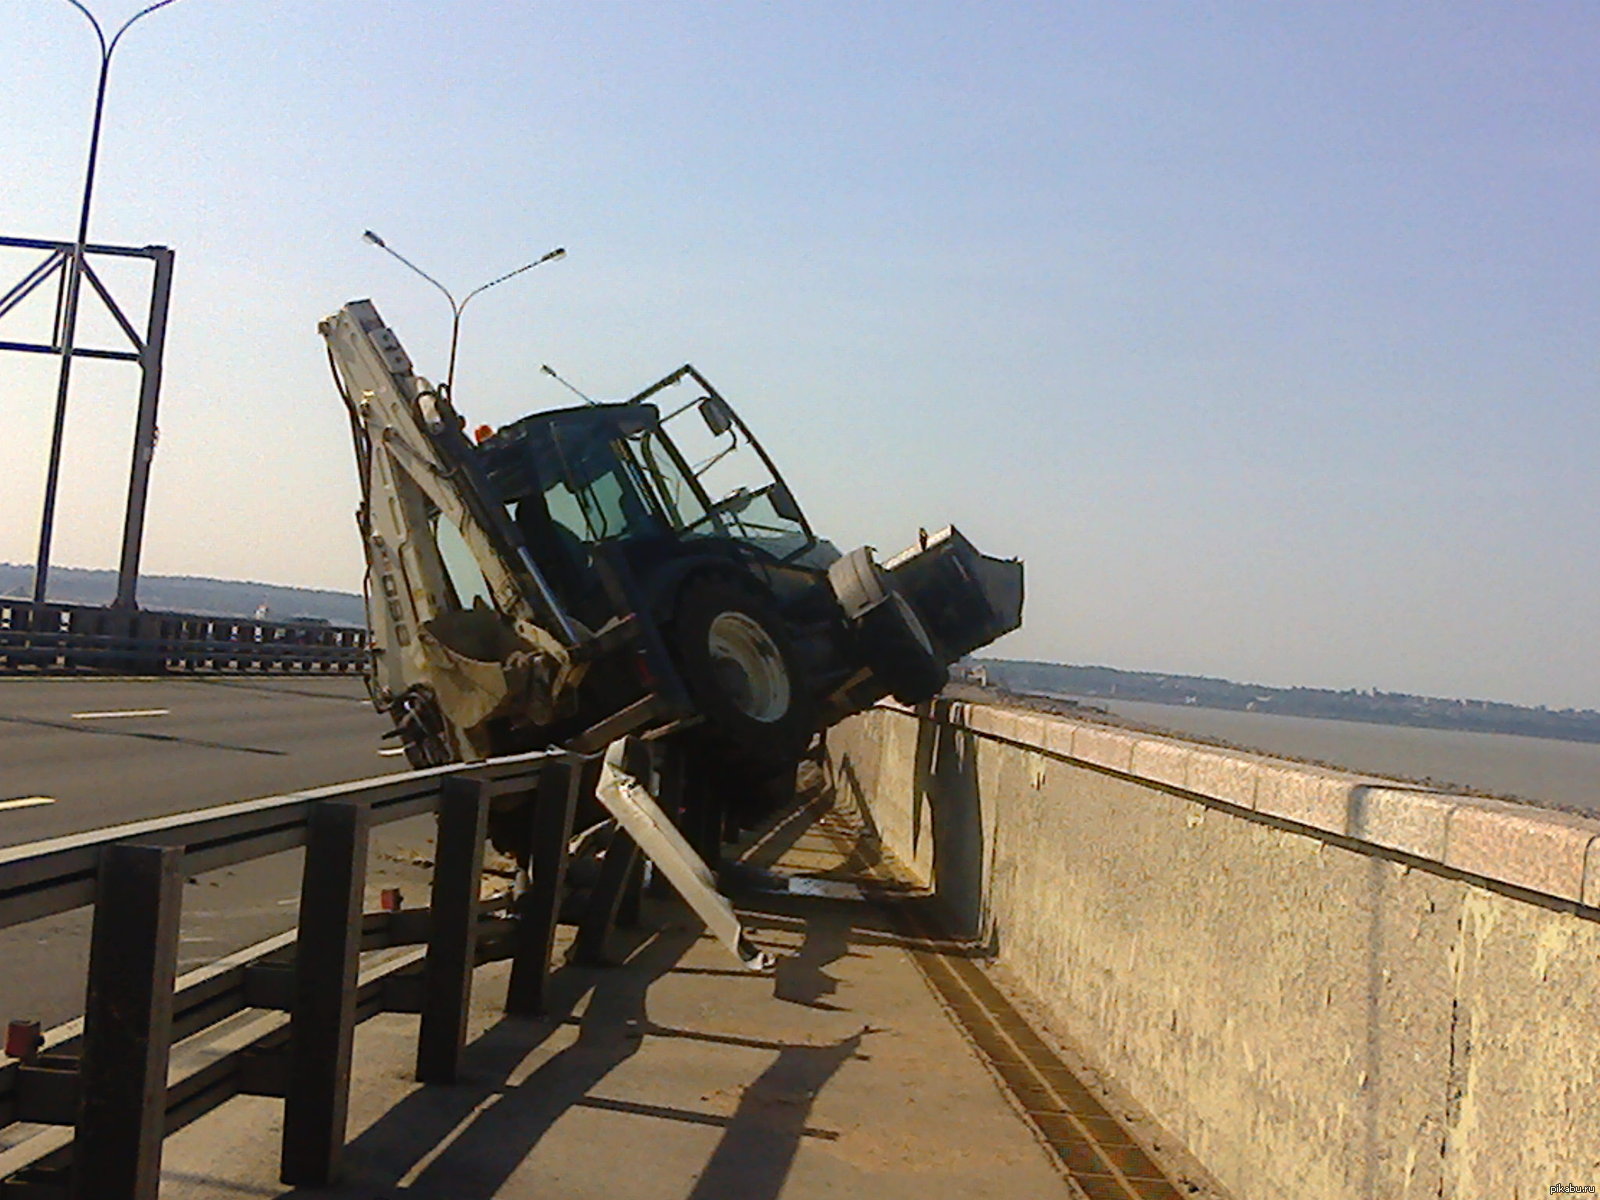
{"x":1266,"y":334}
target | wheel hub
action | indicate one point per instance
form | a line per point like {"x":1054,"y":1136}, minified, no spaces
{"x":749,"y":667}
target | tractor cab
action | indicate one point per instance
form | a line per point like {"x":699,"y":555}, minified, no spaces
{"x":606,"y":480}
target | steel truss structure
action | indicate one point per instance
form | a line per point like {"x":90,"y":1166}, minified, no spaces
{"x":143,"y":347}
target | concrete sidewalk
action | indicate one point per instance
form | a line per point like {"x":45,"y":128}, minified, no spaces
{"x":678,"y":1076}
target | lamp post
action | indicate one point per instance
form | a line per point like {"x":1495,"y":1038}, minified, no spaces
{"x":455,"y":308}
{"x":67,"y":323}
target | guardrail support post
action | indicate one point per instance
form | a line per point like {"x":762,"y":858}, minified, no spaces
{"x":127,"y":1033}
{"x":616,"y":874}
{"x":560,"y":784}
{"x":453,"y":930}
{"x":322,"y":1022}
{"x":632,"y":899}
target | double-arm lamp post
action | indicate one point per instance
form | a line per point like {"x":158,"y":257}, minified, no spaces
{"x":455,"y":308}
{"x":67,"y":328}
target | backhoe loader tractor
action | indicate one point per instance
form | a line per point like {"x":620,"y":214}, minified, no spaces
{"x":635,"y":568}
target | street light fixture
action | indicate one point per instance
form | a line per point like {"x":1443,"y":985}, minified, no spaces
{"x":68,"y":325}
{"x":455,"y":308}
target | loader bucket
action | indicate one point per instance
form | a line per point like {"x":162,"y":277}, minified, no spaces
{"x":966,"y":599}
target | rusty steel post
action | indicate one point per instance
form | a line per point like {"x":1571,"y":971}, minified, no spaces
{"x":322,"y":1021}
{"x":555,"y":802}
{"x":453,"y":928}
{"x":127,"y":1031}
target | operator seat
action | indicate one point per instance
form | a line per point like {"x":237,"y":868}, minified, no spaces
{"x":564,"y":558}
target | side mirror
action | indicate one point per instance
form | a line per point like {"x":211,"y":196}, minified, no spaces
{"x":783,"y":503}
{"x":716,"y":415}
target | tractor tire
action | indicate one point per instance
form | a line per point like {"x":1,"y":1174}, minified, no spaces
{"x":899,"y":651}
{"x":741,"y":671}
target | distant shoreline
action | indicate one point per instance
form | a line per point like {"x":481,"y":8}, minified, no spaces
{"x":190,"y":594}
{"x":1370,"y":707}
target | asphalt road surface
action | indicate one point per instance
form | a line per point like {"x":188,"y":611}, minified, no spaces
{"x":82,"y":754}
{"x":104,"y":752}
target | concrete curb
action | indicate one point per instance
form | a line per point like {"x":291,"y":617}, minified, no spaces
{"x":1540,"y":850}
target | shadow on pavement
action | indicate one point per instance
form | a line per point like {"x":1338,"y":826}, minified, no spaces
{"x":132,"y":733}
{"x":758,"y":1146}
{"x":469,"y":1141}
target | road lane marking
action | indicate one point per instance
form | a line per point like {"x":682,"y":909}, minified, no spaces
{"x":27,"y":801}
{"x":125,"y":712}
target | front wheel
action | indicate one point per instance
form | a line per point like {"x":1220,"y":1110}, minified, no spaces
{"x":901,"y":653}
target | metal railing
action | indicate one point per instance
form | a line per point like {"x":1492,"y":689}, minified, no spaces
{"x":83,"y":1109}
{"x":64,"y":638}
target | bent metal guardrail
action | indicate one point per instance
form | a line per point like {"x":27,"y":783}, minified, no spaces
{"x":46,"y":638}
{"x":83,"y":1109}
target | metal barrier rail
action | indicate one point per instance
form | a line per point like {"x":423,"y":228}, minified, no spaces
{"x":73,"y":637}
{"x":83,"y":1109}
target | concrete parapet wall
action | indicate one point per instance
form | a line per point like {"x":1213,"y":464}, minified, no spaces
{"x":1327,"y":985}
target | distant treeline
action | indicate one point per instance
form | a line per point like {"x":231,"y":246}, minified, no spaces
{"x":189,"y":593}
{"x":1381,"y":708}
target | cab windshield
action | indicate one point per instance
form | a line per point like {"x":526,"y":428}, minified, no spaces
{"x":624,"y":471}
{"x":714,"y":480}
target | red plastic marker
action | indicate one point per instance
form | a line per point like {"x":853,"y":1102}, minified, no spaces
{"x":23,"y":1039}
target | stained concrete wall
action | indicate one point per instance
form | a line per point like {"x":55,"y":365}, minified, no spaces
{"x":1327,"y":986}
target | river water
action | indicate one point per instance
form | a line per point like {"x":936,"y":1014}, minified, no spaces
{"x":1538,"y":769}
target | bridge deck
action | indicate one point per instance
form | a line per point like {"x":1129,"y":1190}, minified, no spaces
{"x":876,"y":1062}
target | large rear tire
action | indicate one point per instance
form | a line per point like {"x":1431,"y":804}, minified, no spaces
{"x":737,"y":661}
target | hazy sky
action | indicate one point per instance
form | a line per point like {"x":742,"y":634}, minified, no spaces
{"x":1266,"y":333}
